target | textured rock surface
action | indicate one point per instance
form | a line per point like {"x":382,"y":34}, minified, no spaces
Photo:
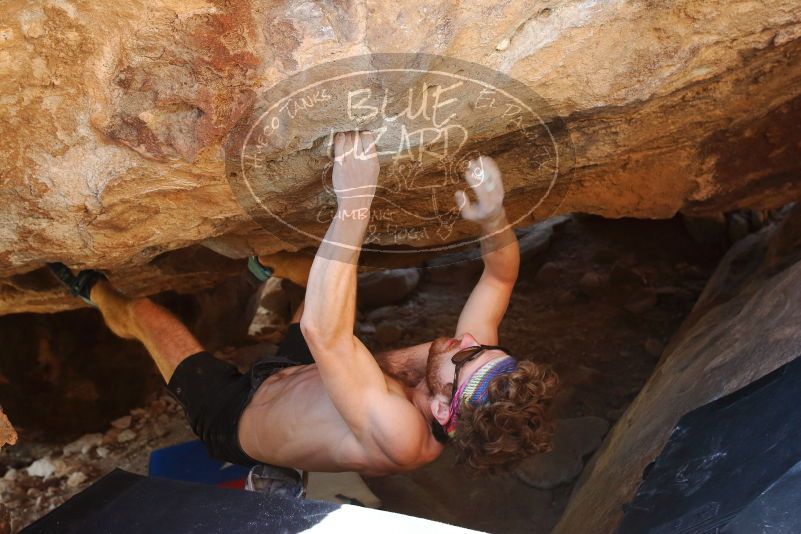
{"x":8,"y":436}
{"x":380,"y":288}
{"x":113,"y":115}
{"x":573,"y":440}
{"x":744,"y":325}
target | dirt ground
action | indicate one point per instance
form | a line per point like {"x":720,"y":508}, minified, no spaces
{"x":599,"y":305}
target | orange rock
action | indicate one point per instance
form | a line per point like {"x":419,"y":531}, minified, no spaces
{"x":8,"y":436}
{"x":114,"y":120}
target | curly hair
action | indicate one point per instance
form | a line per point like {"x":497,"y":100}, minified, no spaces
{"x":512,"y":425}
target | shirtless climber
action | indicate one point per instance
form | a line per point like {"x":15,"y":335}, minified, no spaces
{"x":326,"y":403}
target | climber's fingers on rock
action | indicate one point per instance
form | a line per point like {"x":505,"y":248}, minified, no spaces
{"x":366,"y":144}
{"x":466,"y":208}
{"x":339,"y":142}
{"x":343,"y":144}
{"x":484,"y":178}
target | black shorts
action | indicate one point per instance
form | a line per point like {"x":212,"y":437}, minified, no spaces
{"x":214,"y":394}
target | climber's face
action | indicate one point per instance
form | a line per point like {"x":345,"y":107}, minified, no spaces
{"x":439,"y":368}
{"x":444,"y":376}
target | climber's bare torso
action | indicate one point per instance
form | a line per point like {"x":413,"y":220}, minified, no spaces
{"x":291,"y":421}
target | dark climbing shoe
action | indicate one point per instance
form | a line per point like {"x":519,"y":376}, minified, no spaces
{"x":79,"y":285}
{"x":258,"y":270}
{"x":274,"y":480}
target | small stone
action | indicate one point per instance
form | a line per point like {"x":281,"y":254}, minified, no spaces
{"x":126,"y":436}
{"x":387,"y":333}
{"x":101,"y":452}
{"x":76,"y":479}
{"x":122,"y":423}
{"x":83,"y":444}
{"x":42,"y":468}
{"x":11,"y":475}
{"x":548,"y":273}
{"x":158,"y":406}
{"x":111,"y":436}
{"x":159,"y":430}
{"x":549,"y":470}
{"x":62,"y":469}
{"x":592,"y":284}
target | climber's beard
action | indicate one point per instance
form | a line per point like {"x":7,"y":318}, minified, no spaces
{"x":439,"y":365}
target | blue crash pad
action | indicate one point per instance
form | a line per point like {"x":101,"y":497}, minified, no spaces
{"x":190,"y":462}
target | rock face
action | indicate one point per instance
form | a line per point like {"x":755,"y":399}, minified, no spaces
{"x":114,"y":117}
{"x":744,"y":326}
{"x":8,"y":436}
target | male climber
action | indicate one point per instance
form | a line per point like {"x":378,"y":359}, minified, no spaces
{"x":325,"y":403}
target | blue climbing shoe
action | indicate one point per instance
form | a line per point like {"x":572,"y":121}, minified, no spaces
{"x":258,"y":270}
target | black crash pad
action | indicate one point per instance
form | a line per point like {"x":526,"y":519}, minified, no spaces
{"x":729,"y":466}
{"x":125,"y":503}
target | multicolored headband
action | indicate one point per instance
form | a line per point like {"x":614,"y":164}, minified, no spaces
{"x":474,"y":391}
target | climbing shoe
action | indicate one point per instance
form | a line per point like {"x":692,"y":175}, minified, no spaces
{"x":79,"y":285}
{"x":258,"y":270}
{"x":274,"y":480}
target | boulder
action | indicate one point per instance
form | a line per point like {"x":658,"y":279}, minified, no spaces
{"x":744,"y":325}
{"x":573,"y":440}
{"x":388,"y":333}
{"x":377,"y":289}
{"x":116,"y":122}
{"x":593,"y":284}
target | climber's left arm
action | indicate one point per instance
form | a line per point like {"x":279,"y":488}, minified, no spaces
{"x":486,"y":306}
